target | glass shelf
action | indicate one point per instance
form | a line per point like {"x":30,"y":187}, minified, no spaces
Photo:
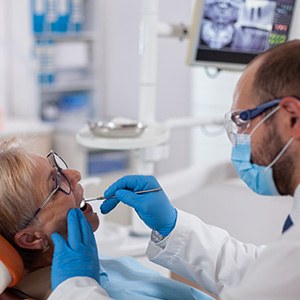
{"x":81,"y":85}
{"x":84,"y":36}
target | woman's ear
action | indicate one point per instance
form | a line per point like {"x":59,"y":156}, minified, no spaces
{"x":291,"y":105}
{"x":32,"y":239}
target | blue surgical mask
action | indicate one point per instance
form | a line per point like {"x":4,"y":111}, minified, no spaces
{"x":258,"y":178}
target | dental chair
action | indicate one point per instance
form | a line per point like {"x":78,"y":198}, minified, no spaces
{"x":11,"y":265}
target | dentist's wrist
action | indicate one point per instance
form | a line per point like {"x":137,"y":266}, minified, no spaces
{"x":165,"y":231}
{"x":156,"y":237}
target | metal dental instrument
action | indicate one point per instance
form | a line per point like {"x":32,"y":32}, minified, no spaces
{"x":102,"y":198}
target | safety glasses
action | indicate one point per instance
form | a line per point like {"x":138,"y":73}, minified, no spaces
{"x":237,"y":121}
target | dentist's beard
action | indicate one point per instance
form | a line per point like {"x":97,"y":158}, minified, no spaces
{"x":283,"y":170}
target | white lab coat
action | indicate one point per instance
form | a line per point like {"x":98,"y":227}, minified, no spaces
{"x":205,"y":254}
{"x":229,"y":268}
{"x":276,"y":273}
{"x":210,"y":257}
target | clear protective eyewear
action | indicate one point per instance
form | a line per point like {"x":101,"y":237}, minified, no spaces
{"x":61,"y":182}
{"x":237,"y":121}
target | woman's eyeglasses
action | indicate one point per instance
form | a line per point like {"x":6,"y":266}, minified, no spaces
{"x":61,"y":181}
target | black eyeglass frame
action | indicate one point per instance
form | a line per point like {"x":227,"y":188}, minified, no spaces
{"x":51,"y":156}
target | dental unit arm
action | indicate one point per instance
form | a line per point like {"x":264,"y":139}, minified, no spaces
{"x":11,"y":265}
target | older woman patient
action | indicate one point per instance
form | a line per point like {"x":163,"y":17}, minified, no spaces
{"x":36,"y":194}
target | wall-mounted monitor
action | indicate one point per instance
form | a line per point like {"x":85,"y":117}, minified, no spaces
{"x":227,"y":34}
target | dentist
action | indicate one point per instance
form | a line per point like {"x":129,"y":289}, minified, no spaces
{"x":264,"y":128}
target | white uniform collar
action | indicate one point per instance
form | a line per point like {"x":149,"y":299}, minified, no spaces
{"x":295,"y":212}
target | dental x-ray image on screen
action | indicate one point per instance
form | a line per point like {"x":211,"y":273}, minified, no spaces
{"x":229,"y":33}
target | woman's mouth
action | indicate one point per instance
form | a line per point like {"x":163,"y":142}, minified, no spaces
{"x":87,"y":208}
{"x":90,"y":215}
{"x":83,"y":205}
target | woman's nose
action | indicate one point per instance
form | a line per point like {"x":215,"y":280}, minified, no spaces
{"x":73,"y":176}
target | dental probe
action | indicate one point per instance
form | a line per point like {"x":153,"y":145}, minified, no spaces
{"x":138,"y":192}
{"x":102,"y":198}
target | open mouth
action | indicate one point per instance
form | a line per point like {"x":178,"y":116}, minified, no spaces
{"x":83,"y":206}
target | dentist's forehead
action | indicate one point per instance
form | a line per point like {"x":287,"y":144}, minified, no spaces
{"x":244,"y":94}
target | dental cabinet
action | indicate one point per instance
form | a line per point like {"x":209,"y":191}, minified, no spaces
{"x":66,"y":48}
{"x":68,"y":52}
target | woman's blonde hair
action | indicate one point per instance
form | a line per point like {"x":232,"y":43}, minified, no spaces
{"x":17,"y":203}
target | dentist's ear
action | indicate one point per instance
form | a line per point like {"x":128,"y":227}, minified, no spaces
{"x":291,"y":105}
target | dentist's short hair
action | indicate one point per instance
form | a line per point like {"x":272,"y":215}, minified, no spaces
{"x":278,"y":74}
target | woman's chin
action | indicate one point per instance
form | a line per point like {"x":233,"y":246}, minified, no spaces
{"x":95,"y":222}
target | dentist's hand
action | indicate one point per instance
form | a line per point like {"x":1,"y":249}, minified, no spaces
{"x":78,"y":256}
{"x":153,"y":208}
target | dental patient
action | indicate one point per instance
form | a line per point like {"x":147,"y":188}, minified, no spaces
{"x":36,"y":194}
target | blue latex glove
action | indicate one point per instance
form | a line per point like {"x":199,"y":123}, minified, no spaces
{"x":78,"y":256}
{"x":153,"y":208}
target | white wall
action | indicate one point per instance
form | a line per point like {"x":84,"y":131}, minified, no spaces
{"x":24,"y":101}
{"x":122,"y":70}
{"x":231,"y":205}
{"x":211,"y":97}
{"x":295,"y":28}
{"x":18,"y":87}
{"x":3,"y":60}
{"x":173,"y":90}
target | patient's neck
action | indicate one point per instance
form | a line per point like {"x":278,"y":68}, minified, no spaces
{"x":43,"y":260}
